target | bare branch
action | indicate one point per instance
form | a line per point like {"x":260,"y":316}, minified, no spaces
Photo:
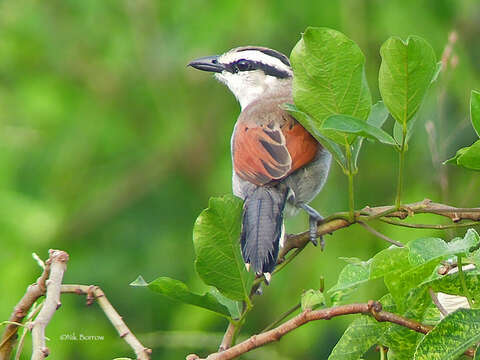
{"x":58,"y":264}
{"x":384,"y":213}
{"x":95,"y":293}
{"x":372,"y":308}
{"x":228,"y":337}
{"x":34,"y":291}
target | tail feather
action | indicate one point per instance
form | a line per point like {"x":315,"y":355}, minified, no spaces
{"x":262,"y":227}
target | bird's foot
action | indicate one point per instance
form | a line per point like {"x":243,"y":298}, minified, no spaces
{"x":314,"y":219}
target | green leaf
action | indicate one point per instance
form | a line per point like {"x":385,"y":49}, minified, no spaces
{"x":216,"y":239}
{"x":350,"y":125}
{"x":178,"y":291}
{"x":451,"y":284}
{"x":467,"y":157}
{"x":402,"y":341}
{"x":405,"y":268}
{"x":406,"y":72}
{"x":451,"y":337}
{"x":139,"y":281}
{"x":352,"y":275}
{"x":312,"y":298}
{"x":308,"y":123}
{"x":329,"y":77}
{"x":389,"y":260}
{"x":234,"y":307}
{"x":360,"y":336}
{"x":475,"y":110}
{"x":377,"y":118}
{"x":470,"y":159}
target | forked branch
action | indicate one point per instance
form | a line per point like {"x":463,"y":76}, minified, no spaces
{"x":386,"y":213}
{"x":372,"y":308}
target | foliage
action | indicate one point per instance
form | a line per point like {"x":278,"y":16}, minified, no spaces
{"x":110,"y":148}
{"x":332,"y":100}
{"x":469,"y":157}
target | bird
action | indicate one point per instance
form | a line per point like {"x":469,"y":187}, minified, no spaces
{"x":278,"y":166}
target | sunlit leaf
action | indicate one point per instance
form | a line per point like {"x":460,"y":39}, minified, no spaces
{"x":329,"y":77}
{"x":406,"y":72}
{"x":451,"y":337}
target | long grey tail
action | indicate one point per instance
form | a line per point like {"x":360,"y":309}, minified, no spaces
{"x":262,"y":227}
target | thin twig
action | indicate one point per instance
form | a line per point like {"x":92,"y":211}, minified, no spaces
{"x":283,"y":317}
{"x":429,"y":226}
{"x":437,"y":303}
{"x":380,"y":235}
{"x":372,"y":308}
{"x":95,"y":293}
{"x":33,"y":312}
{"x":58,"y":264}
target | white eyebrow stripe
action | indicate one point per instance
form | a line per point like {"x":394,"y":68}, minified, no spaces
{"x":254,"y":55}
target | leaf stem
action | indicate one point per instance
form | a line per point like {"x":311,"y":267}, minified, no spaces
{"x":350,"y":174}
{"x":461,"y":275}
{"x":398,"y":201}
{"x":382,"y":352}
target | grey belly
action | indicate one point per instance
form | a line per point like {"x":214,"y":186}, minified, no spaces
{"x":305,"y":183}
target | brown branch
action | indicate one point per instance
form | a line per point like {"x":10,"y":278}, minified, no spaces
{"x":228,"y":337}
{"x":95,"y":293}
{"x":372,"y":308}
{"x":339,"y":221}
{"x":33,"y":293}
{"x":58,"y":264}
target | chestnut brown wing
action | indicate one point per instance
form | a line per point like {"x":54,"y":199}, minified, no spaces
{"x":270,"y":152}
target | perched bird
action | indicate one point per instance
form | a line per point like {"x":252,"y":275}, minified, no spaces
{"x":277,"y":165}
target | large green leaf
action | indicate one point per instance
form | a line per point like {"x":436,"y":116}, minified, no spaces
{"x":406,"y":72}
{"x":475,"y":110}
{"x":329,"y":77}
{"x":351,"y":125}
{"x":405,"y":268}
{"x":216,"y":239}
{"x":451,"y":337}
{"x":178,"y":291}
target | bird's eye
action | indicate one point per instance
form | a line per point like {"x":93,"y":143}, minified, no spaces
{"x":244,"y":65}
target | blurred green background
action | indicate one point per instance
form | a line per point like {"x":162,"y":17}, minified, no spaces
{"x":110,"y":147}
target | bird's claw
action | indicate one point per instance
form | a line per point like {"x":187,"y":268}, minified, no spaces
{"x":314,"y":219}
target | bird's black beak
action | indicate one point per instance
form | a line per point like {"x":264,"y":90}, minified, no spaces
{"x":207,"y":63}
